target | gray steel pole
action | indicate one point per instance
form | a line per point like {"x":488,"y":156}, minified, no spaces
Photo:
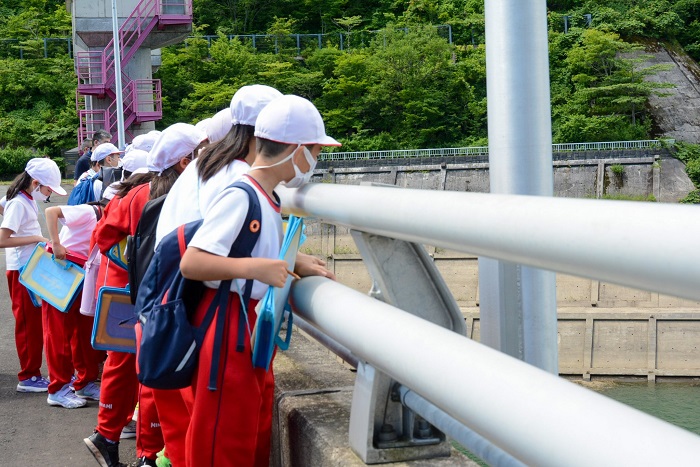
{"x":118,"y":77}
{"x":518,"y":303}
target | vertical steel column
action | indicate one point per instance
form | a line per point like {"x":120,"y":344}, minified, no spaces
{"x":118,"y":77}
{"x":518,"y":303}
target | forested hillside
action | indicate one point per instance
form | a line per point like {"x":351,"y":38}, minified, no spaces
{"x":396,"y":81}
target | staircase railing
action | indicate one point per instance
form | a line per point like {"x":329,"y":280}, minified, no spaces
{"x":95,"y":69}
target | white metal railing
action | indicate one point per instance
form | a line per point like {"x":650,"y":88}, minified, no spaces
{"x":484,"y":150}
{"x":538,"y":418}
{"x":515,"y":406}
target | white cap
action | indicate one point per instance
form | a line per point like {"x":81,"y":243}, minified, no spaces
{"x":174,"y":143}
{"x":202,"y":124}
{"x":294,"y":120}
{"x":135,"y":159}
{"x":248,"y":101}
{"x":218,"y":126}
{"x":104,"y":150}
{"x":46,"y":172}
{"x":145,"y":141}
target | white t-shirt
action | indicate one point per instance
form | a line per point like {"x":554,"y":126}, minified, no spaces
{"x":78,"y":223}
{"x":223,"y":222}
{"x":189,"y":199}
{"x":21,"y":216}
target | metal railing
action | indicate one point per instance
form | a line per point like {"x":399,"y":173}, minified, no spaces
{"x":298,"y":42}
{"x":516,"y":407}
{"x":46,"y":47}
{"x":484,"y":150}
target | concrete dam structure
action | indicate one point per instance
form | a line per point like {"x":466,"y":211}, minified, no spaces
{"x":604,"y":329}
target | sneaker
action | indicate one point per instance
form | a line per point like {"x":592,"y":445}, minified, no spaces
{"x":65,"y":398}
{"x":161,"y":460}
{"x":106,"y":453}
{"x":91,"y":391}
{"x":129,"y":431}
{"x":33,"y":384}
{"x":146,"y":461}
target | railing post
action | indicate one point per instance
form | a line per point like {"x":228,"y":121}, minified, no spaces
{"x":405,"y":276}
{"x":518,"y":303}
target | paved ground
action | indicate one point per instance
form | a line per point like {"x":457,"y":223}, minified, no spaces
{"x":31,"y":431}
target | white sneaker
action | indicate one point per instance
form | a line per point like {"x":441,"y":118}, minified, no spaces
{"x":129,"y":431}
{"x":91,"y":391}
{"x":65,"y":398}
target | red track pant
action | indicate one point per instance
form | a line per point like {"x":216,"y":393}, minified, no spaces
{"x":149,"y":437}
{"x":174,"y":413}
{"x":230,"y":426}
{"x":68,"y":349}
{"x":29,"y":332}
{"x":118,"y":394}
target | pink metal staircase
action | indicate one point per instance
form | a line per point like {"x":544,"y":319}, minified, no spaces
{"x":96,"y":71}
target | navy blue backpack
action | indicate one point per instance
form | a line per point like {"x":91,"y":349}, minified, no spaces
{"x":83,"y":192}
{"x":166,"y":302}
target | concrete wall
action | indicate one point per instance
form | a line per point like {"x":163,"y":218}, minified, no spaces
{"x":604,"y":328}
{"x":583,"y":175}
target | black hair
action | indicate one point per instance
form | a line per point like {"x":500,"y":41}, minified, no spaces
{"x":161,"y":184}
{"x":139,"y":179}
{"x":270,"y":149}
{"x":99,"y":135}
{"x":217,"y":156}
{"x":21,"y":182}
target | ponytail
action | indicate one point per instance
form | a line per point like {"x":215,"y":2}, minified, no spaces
{"x":217,"y":156}
{"x":21,"y":182}
{"x":135,"y":180}
{"x":161,"y":184}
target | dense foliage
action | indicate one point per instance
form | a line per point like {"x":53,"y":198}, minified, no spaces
{"x":395,"y":83}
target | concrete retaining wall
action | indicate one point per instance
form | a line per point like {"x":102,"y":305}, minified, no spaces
{"x":596,"y":174}
{"x":604,"y":329}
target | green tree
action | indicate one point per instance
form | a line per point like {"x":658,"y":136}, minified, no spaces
{"x":607,"y":92}
{"x":37,"y":104}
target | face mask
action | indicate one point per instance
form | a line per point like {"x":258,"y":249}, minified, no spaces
{"x":300,"y":178}
{"x":38,"y":195}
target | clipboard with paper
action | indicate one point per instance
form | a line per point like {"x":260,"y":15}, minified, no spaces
{"x":58,"y":282}
{"x":271,"y":310}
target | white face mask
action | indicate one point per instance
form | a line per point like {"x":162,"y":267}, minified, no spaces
{"x":300,"y":178}
{"x":38,"y":195}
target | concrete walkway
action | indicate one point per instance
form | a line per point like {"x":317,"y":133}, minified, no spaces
{"x":31,"y":431}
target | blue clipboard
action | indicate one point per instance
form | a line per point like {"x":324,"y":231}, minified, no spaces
{"x":274,"y":306}
{"x":115,"y":318}
{"x":57,"y":282}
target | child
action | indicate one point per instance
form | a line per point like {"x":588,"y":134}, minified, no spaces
{"x":231,"y":426}
{"x":169,"y":156}
{"x":105,"y":155}
{"x":220,"y":164}
{"x":67,"y":334}
{"x":19,"y":234}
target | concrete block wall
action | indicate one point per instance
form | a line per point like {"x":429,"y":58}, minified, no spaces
{"x":604,"y":328}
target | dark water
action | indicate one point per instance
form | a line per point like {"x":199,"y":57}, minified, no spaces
{"x":677,"y":403}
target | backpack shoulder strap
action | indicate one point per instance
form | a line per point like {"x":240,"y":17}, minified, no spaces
{"x":250,"y":231}
{"x":242,"y":247}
